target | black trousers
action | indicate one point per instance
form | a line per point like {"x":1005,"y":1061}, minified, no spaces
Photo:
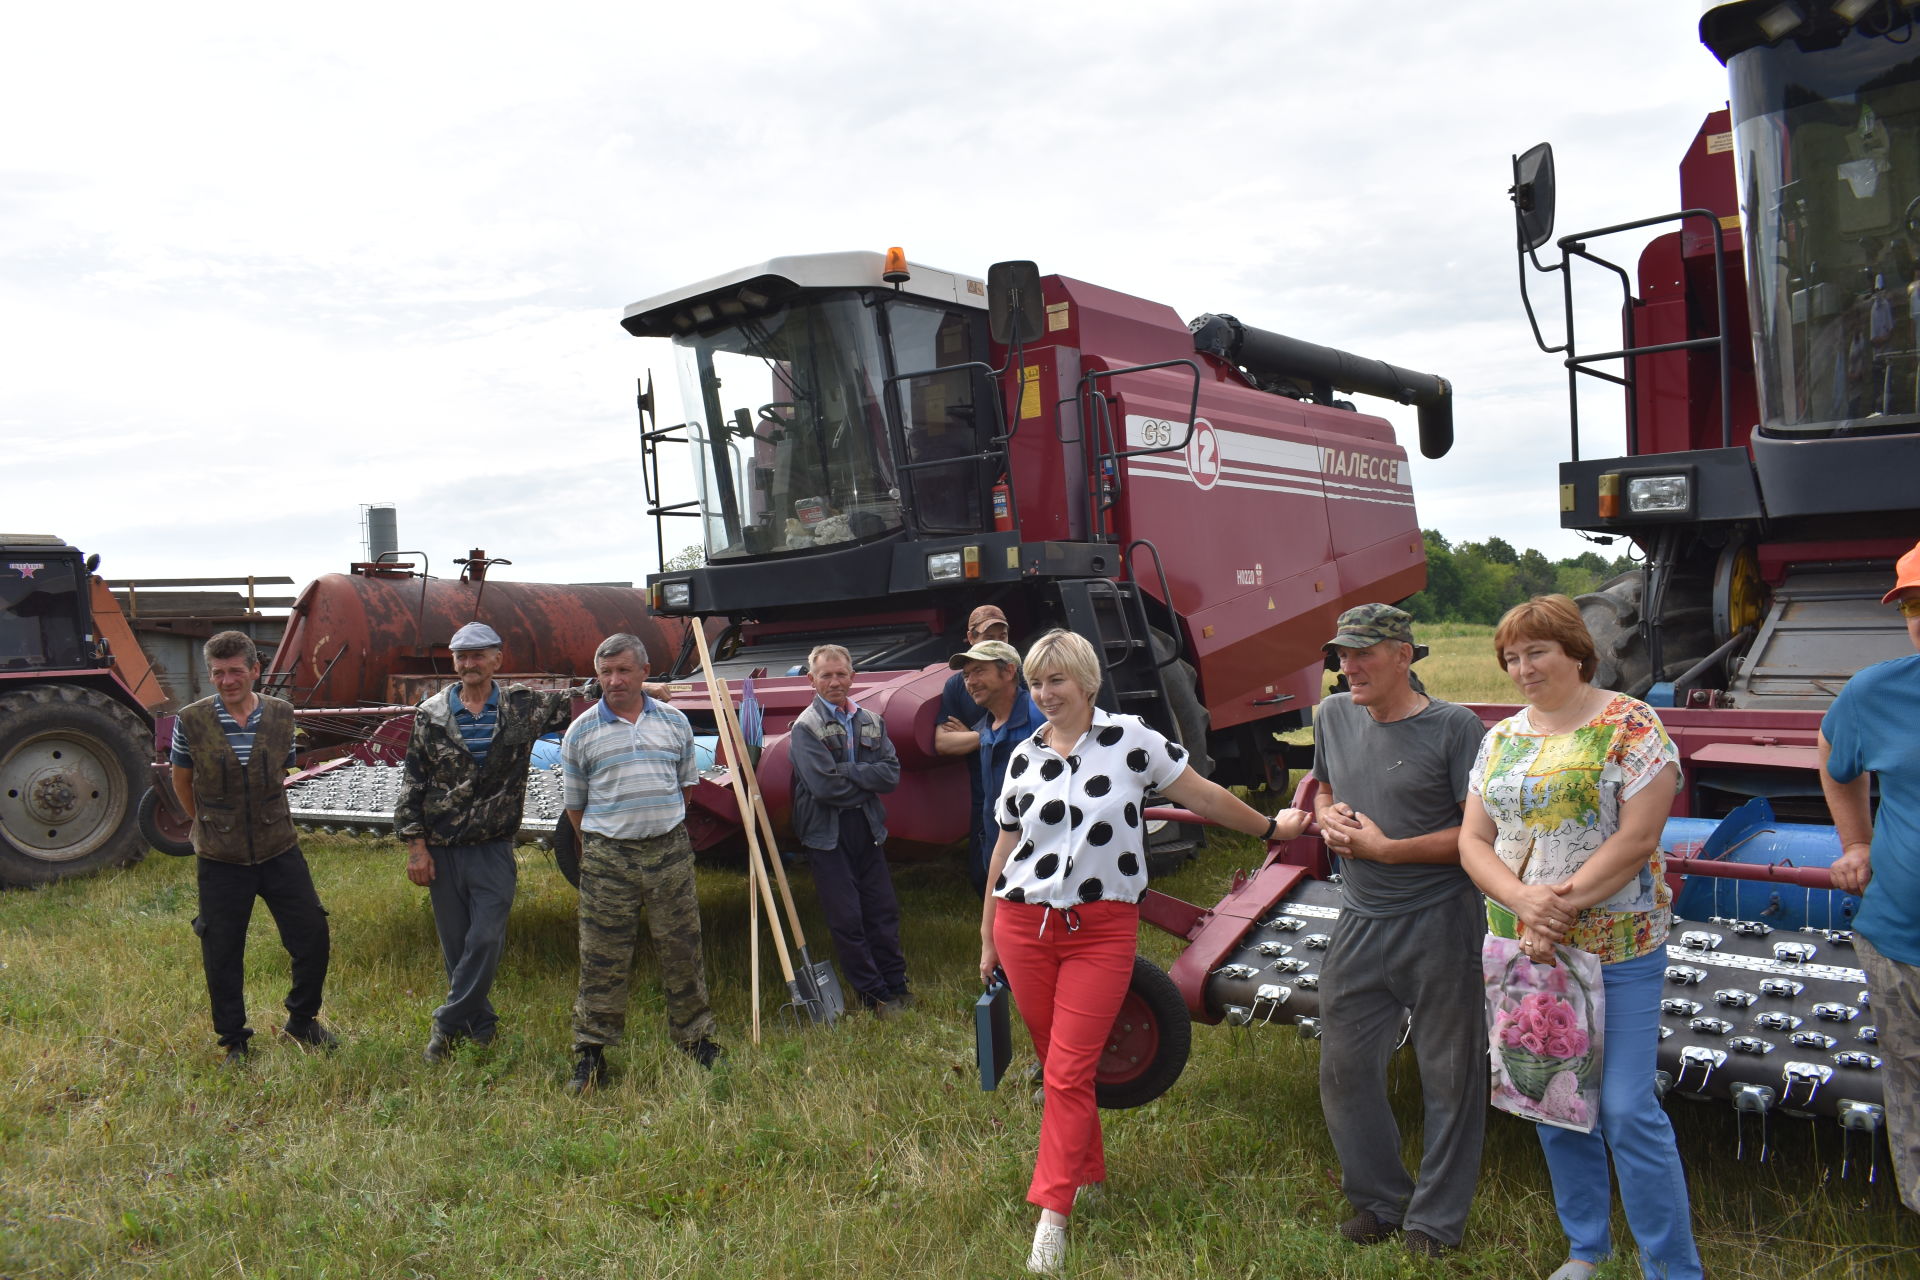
{"x":227,"y":891}
{"x":856,"y":896}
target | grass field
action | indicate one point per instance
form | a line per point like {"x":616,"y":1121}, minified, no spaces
{"x":866,"y":1149}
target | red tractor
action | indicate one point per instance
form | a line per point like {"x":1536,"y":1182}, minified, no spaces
{"x":75,"y":741}
{"x":879,"y":447}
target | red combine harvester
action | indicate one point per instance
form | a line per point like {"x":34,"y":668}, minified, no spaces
{"x":1768,"y":487}
{"x":879,"y":447}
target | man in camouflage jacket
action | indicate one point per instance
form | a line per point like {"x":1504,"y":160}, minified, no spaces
{"x":459,"y":811}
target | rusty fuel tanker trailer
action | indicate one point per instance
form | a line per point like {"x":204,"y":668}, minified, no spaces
{"x":1768,"y":483}
{"x":362,"y":647}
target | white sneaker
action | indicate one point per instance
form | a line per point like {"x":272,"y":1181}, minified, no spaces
{"x":1049,"y":1255}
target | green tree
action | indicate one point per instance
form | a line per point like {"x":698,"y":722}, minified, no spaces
{"x":1534,"y":575}
{"x":1440,"y":602}
{"x":688,"y":557}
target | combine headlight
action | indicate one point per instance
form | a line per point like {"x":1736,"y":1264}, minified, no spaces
{"x":1648,"y":495}
{"x":944,"y":566}
{"x":677,"y":595}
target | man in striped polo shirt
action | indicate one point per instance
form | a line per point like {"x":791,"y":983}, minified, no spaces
{"x":230,"y":754}
{"x":458,"y":813}
{"x":626,"y":762}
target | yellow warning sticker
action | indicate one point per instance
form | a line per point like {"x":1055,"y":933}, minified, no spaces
{"x":1718,"y":142}
{"x":1030,"y":392}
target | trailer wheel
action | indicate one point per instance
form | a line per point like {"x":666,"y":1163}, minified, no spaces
{"x":162,"y":829}
{"x":70,"y":764}
{"x":566,"y":850}
{"x":1148,"y":1046}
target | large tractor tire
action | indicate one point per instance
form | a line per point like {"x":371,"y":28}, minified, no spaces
{"x":1148,"y":1046}
{"x":72,"y":765}
{"x":1613,"y":614}
{"x":162,"y":828}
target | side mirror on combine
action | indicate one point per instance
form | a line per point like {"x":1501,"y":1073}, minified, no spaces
{"x":1014,"y":305}
{"x":1532,"y":194}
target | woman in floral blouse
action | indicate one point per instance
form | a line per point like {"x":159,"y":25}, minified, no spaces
{"x":1571,"y":794}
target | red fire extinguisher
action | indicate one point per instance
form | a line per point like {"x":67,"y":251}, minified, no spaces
{"x":1002,"y":507}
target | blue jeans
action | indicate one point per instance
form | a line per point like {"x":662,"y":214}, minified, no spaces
{"x":1653,"y":1189}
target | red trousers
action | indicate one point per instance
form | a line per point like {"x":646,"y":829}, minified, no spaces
{"x":1069,"y":971}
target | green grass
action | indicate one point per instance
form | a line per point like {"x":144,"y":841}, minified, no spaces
{"x":866,"y":1149}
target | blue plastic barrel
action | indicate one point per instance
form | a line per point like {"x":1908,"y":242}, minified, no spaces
{"x":1751,"y":834}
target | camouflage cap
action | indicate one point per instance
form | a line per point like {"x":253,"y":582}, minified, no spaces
{"x":985,"y":616}
{"x":1369,"y":624}
{"x":986,"y":651}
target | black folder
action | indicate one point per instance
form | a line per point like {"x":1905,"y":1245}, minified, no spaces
{"x":993,"y":1032}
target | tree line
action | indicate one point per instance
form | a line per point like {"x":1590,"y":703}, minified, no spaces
{"x":1478,"y":581}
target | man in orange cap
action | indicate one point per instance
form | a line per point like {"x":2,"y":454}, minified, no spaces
{"x":1870,"y":729}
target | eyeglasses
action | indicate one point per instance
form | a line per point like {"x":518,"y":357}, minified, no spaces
{"x":1909,"y":608}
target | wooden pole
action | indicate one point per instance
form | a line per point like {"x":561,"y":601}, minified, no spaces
{"x":723,"y":702}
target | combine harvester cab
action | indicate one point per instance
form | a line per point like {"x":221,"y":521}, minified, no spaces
{"x":1772,"y":443}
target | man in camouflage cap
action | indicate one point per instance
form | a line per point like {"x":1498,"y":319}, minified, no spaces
{"x":459,"y":811}
{"x":1392,"y":764}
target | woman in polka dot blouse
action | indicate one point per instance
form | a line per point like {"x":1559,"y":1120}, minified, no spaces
{"x":1067,"y":874}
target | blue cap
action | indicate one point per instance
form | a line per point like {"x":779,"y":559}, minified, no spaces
{"x":475,"y":635}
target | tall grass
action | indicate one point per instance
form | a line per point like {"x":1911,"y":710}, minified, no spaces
{"x":865,"y":1149}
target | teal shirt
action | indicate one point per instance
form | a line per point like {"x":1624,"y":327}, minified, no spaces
{"x":1874,"y":727}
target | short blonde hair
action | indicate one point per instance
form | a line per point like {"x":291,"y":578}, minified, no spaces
{"x":1556,"y":618}
{"x":1066,"y":652}
{"x":829,"y":651}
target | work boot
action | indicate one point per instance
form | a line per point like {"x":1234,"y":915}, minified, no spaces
{"x":902,"y":997}
{"x":590,"y":1071}
{"x":310,"y":1033}
{"x":439,"y":1047}
{"x":238,"y":1055}
{"x":1366,"y":1227}
{"x":704,"y":1051}
{"x":1421,"y":1245}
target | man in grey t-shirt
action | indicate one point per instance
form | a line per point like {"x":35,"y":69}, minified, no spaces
{"x":1392,"y":765}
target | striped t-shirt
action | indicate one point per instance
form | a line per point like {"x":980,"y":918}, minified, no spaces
{"x":626,"y":778}
{"x":476,"y":731}
{"x":239,"y":736}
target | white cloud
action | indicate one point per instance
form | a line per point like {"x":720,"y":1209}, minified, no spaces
{"x":258,"y":266}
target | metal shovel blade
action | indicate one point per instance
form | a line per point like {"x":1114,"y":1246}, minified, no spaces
{"x":826,"y":985}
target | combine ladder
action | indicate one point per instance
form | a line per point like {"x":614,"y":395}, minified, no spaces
{"x":1114,"y":617}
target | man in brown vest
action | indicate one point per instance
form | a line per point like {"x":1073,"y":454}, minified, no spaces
{"x":230,"y":755}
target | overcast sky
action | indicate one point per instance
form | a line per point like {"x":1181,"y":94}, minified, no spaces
{"x":264,"y":264}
